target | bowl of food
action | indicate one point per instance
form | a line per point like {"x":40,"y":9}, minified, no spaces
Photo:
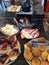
{"x":9,"y":29}
{"x":14,"y":8}
{"x":36,"y":53}
{"x":9,"y":50}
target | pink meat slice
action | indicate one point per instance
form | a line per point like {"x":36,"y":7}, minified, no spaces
{"x":26,"y":30}
{"x":22,"y":36}
{"x":29,"y":30}
{"x":34,"y":32}
{"x":37,"y":35}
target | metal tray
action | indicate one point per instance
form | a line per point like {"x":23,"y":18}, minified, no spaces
{"x":34,"y":44}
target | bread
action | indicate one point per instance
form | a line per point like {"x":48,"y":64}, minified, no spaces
{"x":9,"y":29}
{"x":48,"y":50}
{"x":13,"y":9}
{"x":4,"y":59}
{"x":17,"y":45}
{"x":4,"y":48}
{"x":36,"y":61}
{"x":28,"y":46}
{"x":13,"y":54}
{"x":28,"y":55}
{"x":44,"y":63}
{"x":36,"y":52}
{"x":9,"y":50}
{"x":41,"y":48}
{"x":48,"y":57}
{"x":18,"y":8}
{"x":14,"y":45}
{"x":44,"y":55}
